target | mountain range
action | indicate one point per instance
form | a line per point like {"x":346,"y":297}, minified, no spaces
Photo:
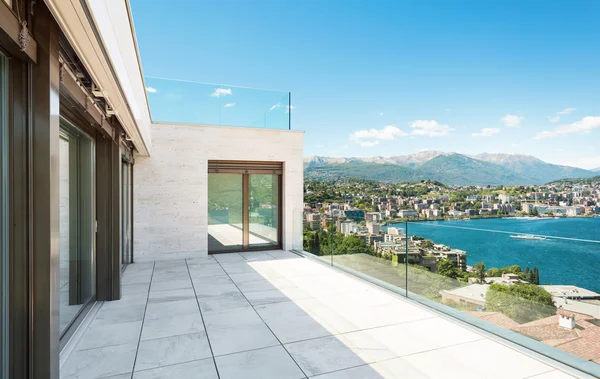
{"x":449,"y":168}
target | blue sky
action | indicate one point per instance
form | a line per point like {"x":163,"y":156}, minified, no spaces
{"x":385,"y":77}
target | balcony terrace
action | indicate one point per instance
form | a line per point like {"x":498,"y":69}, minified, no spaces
{"x":275,"y":314}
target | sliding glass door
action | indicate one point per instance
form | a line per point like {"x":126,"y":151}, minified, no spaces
{"x":244,"y":205}
{"x":126,"y":213}
{"x":4,"y":259}
{"x":263,"y":210}
{"x":77,"y":228}
{"x":225,"y":212}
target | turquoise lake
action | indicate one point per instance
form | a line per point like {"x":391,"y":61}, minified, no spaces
{"x":559,"y":261}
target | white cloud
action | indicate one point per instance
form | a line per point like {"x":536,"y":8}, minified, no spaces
{"x":381,"y":113}
{"x":511,"y":120}
{"x":567,"y":111}
{"x":368,"y":143}
{"x":583,"y":126}
{"x":371,"y":137}
{"x":274,"y":107}
{"x":229,"y":105}
{"x":221,"y":92}
{"x":556,"y":118}
{"x":151,"y":89}
{"x":486,"y":132}
{"x":429,"y":128}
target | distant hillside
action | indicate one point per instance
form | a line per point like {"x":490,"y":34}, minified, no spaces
{"x":593,"y":179}
{"x":533,"y":167}
{"x":372,"y":171}
{"x":450,"y":168}
{"x":462,"y":170}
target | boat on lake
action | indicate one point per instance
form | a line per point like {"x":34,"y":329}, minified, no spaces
{"x":528,"y":237}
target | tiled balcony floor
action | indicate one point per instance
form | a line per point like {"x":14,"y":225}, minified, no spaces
{"x":274,"y":315}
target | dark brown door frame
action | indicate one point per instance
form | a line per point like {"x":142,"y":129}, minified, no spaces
{"x":247,"y":168}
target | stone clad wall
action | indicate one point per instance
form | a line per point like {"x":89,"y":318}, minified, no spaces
{"x":171,"y":188}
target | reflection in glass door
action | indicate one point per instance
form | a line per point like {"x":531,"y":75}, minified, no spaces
{"x":126,"y":213}
{"x":263,"y":210}
{"x":76,"y":176}
{"x":243,"y":209}
{"x":225,"y":215}
{"x":4,"y":260}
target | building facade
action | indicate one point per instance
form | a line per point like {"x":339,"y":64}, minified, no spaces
{"x":90,"y":183}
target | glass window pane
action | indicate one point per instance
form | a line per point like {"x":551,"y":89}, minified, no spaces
{"x":225,"y":216}
{"x":126,"y":219}
{"x":264,"y":210}
{"x":76,"y":223}
{"x":3,"y":217}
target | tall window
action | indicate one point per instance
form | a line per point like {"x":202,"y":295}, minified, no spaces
{"x":4,"y":293}
{"x":126,"y":213}
{"x":77,"y":226}
{"x":244,"y":206}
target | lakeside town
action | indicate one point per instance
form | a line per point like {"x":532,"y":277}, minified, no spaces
{"x":356,"y":202}
{"x":348,"y":219}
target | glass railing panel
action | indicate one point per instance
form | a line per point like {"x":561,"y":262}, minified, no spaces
{"x":176,"y":101}
{"x":531,"y":281}
{"x":537,"y":278}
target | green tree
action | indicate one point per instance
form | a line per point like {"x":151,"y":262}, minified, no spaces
{"x":536,"y":276}
{"x":514,"y":269}
{"x":480,"y":272}
{"x":493,"y":272}
{"x":520,"y":301}
{"x":527,"y":275}
{"x":446,"y":267}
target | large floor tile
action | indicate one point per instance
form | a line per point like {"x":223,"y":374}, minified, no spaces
{"x":232,"y":257}
{"x":101,"y":362}
{"x":208,"y":281}
{"x":171,"y":285}
{"x":291,"y":323}
{"x":246,"y":316}
{"x":553,"y":375}
{"x":323,"y":355}
{"x":268,"y":363}
{"x":173,"y":295}
{"x":222,"y":303}
{"x":122,"y":314}
{"x":172,"y":308}
{"x":172,"y":350}
{"x":488,"y":357}
{"x":201,"y":369}
{"x":264,"y":285}
{"x":238,"y":338}
{"x":205,"y":271}
{"x":128,"y":289}
{"x":360,"y":372}
{"x":172,"y":326}
{"x":127,"y":301}
{"x":216,"y":290}
{"x":410,"y":338}
{"x":435,"y":365}
{"x":100,"y":334}
{"x":237,"y":268}
{"x":275,"y":295}
{"x":246,"y":277}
